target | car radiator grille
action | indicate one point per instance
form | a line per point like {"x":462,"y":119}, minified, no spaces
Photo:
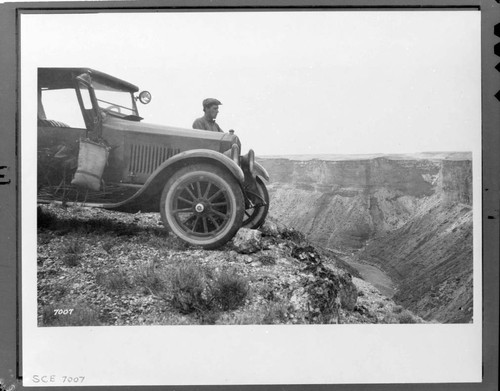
{"x":144,"y":159}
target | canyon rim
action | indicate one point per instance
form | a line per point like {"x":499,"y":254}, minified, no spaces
{"x":403,"y":221}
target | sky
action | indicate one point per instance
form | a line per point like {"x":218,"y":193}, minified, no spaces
{"x":336,"y":82}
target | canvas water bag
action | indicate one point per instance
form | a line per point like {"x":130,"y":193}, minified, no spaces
{"x":92,"y":158}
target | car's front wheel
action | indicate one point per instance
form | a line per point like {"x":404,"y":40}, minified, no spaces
{"x":203,"y":205}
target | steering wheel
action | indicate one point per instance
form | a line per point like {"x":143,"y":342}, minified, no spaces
{"x":115,"y":108}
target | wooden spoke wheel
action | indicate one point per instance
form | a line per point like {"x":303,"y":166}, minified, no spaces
{"x":203,"y":205}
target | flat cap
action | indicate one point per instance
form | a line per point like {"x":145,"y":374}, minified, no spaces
{"x":210,"y":102}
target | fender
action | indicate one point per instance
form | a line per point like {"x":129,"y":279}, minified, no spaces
{"x":153,"y":186}
{"x":261,"y":171}
{"x":251,"y":177}
{"x":203,"y":154}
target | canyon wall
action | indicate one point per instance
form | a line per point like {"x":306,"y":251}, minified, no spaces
{"x":411,"y":217}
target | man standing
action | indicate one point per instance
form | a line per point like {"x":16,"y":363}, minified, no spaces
{"x":207,"y":122}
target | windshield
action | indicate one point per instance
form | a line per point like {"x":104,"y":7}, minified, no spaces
{"x":115,"y":102}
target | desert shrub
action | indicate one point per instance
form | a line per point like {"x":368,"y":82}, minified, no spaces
{"x":406,"y":317}
{"x":293,"y":235}
{"x":150,"y":279}
{"x":189,"y":289}
{"x":108,"y":244}
{"x":72,"y":253}
{"x":45,"y":218}
{"x":100,"y":278}
{"x":267,"y":260}
{"x":268,"y":292}
{"x":157,"y":242}
{"x":397,"y":309}
{"x":199,"y":290}
{"x":276,"y":313}
{"x":71,"y":259}
{"x":115,"y":280}
{"x":79,"y":315}
{"x":44,"y":238}
{"x":74,"y":247}
{"x":59,"y":289}
{"x":229,"y":290}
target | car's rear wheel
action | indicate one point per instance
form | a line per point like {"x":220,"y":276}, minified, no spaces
{"x":258,"y":206}
{"x":203,"y":205}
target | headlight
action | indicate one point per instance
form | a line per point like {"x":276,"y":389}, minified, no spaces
{"x":248,"y":162}
{"x":145,"y":97}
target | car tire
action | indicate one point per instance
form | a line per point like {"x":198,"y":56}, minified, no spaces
{"x":255,"y":217}
{"x":203,"y":205}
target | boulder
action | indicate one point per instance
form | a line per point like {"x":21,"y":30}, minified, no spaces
{"x":247,"y":241}
{"x":270,"y":228}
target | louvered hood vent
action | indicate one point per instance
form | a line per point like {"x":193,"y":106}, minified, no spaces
{"x":145,"y":158}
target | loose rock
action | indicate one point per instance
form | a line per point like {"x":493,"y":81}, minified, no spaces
{"x":247,"y":241}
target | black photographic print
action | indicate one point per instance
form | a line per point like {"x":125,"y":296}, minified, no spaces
{"x":218,"y":191}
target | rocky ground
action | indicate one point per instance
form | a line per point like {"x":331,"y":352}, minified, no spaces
{"x":97,"y":267}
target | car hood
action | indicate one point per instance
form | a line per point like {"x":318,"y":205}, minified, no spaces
{"x":148,"y":128}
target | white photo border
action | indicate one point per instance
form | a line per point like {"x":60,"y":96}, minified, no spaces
{"x":224,"y":355}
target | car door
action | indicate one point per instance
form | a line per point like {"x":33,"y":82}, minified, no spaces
{"x":60,"y":126}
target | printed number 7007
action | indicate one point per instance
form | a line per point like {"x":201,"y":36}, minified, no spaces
{"x":76,"y":379}
{"x":67,"y":311}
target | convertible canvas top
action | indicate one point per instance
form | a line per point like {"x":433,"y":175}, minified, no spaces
{"x":57,"y":78}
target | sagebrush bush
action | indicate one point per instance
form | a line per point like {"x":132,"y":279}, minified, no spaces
{"x":43,"y":238}
{"x":199,"y":290}
{"x":293,"y":235}
{"x":115,"y":280}
{"x":276,"y":313}
{"x":108,"y":244}
{"x":71,"y":259}
{"x":229,"y":290}
{"x":406,"y":317}
{"x":267,"y":260}
{"x":189,"y":289}
{"x":45,"y":218}
{"x":74,"y":247}
{"x":59,"y":290}
{"x":397,"y":309}
{"x":150,"y":279}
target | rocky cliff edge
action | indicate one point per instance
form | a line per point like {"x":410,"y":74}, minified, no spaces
{"x":108,"y":268}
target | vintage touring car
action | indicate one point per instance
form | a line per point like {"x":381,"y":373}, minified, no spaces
{"x":94,"y":149}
